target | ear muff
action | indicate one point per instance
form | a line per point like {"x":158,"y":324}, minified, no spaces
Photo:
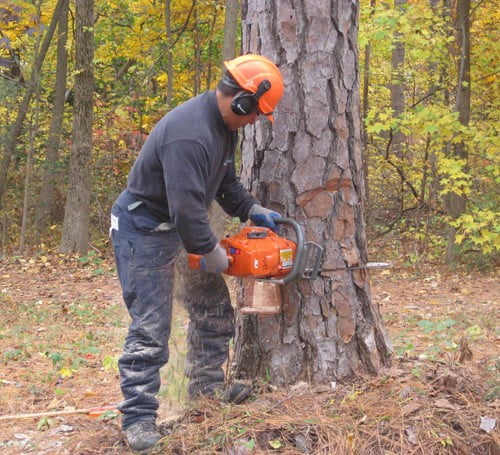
{"x":245,"y":103}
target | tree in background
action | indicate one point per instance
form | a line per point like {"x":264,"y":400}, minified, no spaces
{"x":309,"y":167}
{"x":138,"y":65}
{"x":15,"y":128}
{"x":75,"y":235}
{"x":412,"y":194}
{"x":455,"y":201}
{"x":46,"y":203}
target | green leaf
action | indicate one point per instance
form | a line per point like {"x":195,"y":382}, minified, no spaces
{"x":276,"y":444}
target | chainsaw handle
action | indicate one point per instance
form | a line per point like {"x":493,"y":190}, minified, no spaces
{"x":299,"y":252}
{"x":194,"y":261}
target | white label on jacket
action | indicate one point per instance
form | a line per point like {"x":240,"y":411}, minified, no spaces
{"x":114,"y":223}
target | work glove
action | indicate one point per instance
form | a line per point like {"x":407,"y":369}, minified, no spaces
{"x":216,"y":261}
{"x":263,"y":217}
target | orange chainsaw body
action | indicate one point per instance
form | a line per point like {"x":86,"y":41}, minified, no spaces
{"x":255,"y":252}
{"x":259,"y":252}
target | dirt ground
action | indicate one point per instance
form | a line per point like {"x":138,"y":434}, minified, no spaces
{"x":62,"y":326}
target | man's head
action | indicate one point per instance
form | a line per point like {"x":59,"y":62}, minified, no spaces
{"x":254,"y":85}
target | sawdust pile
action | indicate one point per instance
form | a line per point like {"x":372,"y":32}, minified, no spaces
{"x":441,"y":410}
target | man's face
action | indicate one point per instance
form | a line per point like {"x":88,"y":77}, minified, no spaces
{"x":238,"y":121}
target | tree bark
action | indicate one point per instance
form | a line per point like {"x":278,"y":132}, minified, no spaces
{"x":170,"y":62}
{"x":397,"y":83}
{"x":16,"y":128}
{"x":230,"y":28}
{"x":45,"y":207}
{"x":455,"y":203}
{"x":76,"y":217}
{"x":31,"y":151}
{"x":365,"y":108}
{"x":308,"y":166}
{"x":197,"y":52}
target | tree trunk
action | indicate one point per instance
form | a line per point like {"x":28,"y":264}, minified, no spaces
{"x":230,"y":27}
{"x":197,"y":52}
{"x":170,"y":62}
{"x":455,"y":203}
{"x":76,"y":217}
{"x":365,"y":107}
{"x":211,"y":46}
{"x":397,"y":83}
{"x":16,"y":128}
{"x":309,"y":167}
{"x":50,"y":176}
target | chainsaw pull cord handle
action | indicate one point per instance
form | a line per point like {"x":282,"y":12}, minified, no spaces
{"x":299,"y":252}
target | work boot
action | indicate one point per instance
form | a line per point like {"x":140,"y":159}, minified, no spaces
{"x":142,"y":436}
{"x":233,"y":393}
{"x":236,"y":393}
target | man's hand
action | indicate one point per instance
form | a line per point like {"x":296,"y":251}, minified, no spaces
{"x":263,"y":217}
{"x":216,"y":261}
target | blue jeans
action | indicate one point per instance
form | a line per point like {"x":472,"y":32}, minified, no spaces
{"x":145,"y":254}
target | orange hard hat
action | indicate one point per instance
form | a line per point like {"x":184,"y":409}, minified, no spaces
{"x":249,"y":71}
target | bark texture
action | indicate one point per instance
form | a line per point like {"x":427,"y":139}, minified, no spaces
{"x":76,"y":215}
{"x":397,"y":83}
{"x":308,"y":166}
{"x":455,"y":203}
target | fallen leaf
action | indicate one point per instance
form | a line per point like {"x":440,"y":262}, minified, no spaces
{"x":412,"y":434}
{"x":487,"y":424}
{"x":445,"y":404}
{"x":410,"y":407}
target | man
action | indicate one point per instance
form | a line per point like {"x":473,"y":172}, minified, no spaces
{"x":186,"y":162}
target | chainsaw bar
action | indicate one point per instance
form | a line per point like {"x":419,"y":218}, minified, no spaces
{"x":368,"y":265}
{"x":309,"y":258}
{"x":313,"y":257}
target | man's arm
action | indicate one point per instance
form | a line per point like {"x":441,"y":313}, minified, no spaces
{"x":185,"y":168}
{"x":233,"y":197}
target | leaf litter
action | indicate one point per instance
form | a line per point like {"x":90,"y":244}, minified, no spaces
{"x":440,"y":397}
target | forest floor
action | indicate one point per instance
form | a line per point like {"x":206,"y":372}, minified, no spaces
{"x":62,"y":326}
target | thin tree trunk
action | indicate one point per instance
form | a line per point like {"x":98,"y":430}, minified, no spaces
{"x":16,"y":128}
{"x":45,"y":205}
{"x":366,"y":106}
{"x":210,"y":50}
{"x":4,"y":234}
{"x":456,"y":202}
{"x":308,"y":166}
{"x":29,"y":172}
{"x":397,"y":83}
{"x":76,"y":217}
{"x":230,"y":28}
{"x":197,"y":52}
{"x":170,"y":62}
{"x":31,"y":152}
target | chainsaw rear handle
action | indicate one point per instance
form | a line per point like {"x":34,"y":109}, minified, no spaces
{"x":299,"y":253}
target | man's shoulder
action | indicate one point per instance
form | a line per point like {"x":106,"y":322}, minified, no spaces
{"x":192,"y":120}
{"x":194,"y":106}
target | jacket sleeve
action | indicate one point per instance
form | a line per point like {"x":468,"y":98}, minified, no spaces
{"x":185,"y":167}
{"x":233,"y":197}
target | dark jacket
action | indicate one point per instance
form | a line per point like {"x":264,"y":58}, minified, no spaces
{"x":186,"y":162}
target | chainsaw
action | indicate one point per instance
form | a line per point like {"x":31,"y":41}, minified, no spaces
{"x":261,"y":254}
